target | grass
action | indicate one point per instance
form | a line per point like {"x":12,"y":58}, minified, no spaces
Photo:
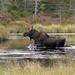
{"x":55,"y":28}
{"x":22,"y":26}
{"x":17,"y":26}
{"x":34,"y":68}
{"x":3,"y":31}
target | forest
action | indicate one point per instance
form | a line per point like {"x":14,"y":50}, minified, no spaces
{"x":58,"y":9}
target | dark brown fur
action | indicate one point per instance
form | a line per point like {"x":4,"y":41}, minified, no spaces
{"x":44,"y":39}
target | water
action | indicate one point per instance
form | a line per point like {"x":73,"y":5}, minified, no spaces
{"x":25,"y":43}
{"x":32,"y":47}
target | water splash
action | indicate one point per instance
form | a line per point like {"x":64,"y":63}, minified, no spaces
{"x":32,"y":46}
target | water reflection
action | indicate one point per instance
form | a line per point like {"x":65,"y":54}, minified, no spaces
{"x":15,"y":44}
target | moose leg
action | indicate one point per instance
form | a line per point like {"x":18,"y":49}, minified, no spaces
{"x":60,"y":45}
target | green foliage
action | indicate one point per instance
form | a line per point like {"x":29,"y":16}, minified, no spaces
{"x":17,"y":13}
{"x":45,"y":6}
{"x":42,"y":6}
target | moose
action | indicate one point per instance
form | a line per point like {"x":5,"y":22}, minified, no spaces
{"x":42,"y":39}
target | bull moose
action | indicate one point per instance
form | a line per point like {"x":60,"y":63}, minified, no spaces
{"x":42,"y":38}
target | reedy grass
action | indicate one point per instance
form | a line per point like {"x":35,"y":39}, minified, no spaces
{"x":31,"y":68}
{"x":21,"y":26}
{"x":55,"y":28}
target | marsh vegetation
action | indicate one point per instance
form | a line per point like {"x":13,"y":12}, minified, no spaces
{"x":35,"y":68}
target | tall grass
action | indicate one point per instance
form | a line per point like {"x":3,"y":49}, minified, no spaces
{"x":36,"y":69}
{"x":22,"y":26}
{"x":3,"y":30}
{"x":55,"y":28}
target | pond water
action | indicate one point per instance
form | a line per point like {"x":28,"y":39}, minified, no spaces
{"x":15,"y":44}
{"x":22,"y":43}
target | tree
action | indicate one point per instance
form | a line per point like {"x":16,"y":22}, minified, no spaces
{"x":4,"y":5}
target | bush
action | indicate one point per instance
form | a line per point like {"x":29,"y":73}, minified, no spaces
{"x":17,"y":13}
